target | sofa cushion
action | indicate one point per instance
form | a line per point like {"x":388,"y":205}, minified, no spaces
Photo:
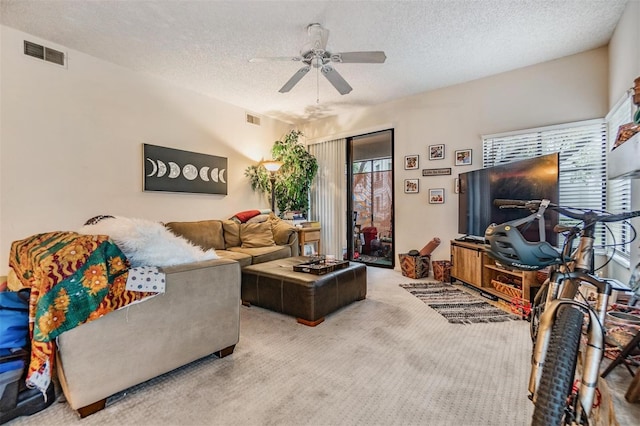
{"x":258,"y":219}
{"x":205,"y":233}
{"x":263,"y":254}
{"x":231,"y":230}
{"x":243,"y":259}
{"x":256,"y":235}
{"x":282,"y":230}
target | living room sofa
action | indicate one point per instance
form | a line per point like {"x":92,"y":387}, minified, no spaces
{"x":197,"y":315}
{"x":247,"y":243}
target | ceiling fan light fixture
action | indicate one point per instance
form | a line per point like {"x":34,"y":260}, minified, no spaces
{"x":318,"y":36}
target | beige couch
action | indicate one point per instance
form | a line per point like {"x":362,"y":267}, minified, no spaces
{"x":247,"y":243}
{"x":198,"y":315}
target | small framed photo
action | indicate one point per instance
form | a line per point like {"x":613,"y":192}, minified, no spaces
{"x":309,"y":250}
{"x":463,"y":157}
{"x":411,"y":186}
{"x":411,"y":162}
{"x":436,"y":152}
{"x":436,"y":196}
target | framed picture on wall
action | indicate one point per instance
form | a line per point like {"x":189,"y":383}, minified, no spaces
{"x":463,"y":157}
{"x":436,"y":152}
{"x":411,"y":162}
{"x":175,"y":170}
{"x":436,"y":196}
{"x":411,"y":186}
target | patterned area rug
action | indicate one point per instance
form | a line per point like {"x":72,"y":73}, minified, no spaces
{"x":457,"y":306}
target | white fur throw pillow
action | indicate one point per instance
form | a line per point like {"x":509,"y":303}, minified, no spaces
{"x":148,"y":243}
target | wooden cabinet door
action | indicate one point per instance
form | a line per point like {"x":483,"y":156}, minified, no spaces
{"x":467,"y":264}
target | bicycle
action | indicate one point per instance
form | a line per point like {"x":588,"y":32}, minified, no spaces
{"x":559,"y":310}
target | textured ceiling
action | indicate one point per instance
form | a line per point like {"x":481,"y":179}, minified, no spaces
{"x":205,"y":45}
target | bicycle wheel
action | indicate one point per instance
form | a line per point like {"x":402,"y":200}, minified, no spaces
{"x":558,"y":372}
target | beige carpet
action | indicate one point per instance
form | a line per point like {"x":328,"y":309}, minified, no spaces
{"x":387,"y":360}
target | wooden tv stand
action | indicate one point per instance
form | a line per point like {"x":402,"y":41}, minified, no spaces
{"x":471,"y":264}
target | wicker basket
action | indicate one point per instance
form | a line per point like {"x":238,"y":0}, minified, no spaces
{"x":506,"y":289}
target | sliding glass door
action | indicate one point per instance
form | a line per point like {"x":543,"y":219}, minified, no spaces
{"x":370,"y":171}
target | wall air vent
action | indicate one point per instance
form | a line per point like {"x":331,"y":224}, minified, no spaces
{"x":252,"y":119}
{"x":45,"y":53}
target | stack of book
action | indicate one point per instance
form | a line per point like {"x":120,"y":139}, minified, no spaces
{"x":294,"y":218}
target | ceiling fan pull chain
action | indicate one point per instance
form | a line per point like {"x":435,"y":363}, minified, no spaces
{"x":318,"y":85}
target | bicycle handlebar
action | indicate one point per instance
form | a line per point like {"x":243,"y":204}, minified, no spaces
{"x":582,"y":216}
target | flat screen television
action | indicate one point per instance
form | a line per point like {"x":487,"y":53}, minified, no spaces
{"x":531,"y":179}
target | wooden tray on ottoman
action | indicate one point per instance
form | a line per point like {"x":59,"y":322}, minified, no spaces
{"x":320,"y":267}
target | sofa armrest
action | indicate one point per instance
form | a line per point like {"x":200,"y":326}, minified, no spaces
{"x":198,"y":315}
{"x":293,"y":243}
{"x":285,"y":234}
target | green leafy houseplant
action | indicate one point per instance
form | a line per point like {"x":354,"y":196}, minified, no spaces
{"x":293,"y":180}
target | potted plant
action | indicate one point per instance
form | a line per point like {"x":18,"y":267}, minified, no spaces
{"x":293,"y":180}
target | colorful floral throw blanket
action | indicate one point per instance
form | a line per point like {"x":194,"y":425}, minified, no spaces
{"x":73,"y":279}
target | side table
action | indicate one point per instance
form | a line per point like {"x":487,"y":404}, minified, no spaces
{"x":307,"y":236}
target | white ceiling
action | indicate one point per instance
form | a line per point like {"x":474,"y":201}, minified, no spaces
{"x":205,"y":45}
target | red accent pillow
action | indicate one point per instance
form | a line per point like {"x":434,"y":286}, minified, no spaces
{"x":246,"y":215}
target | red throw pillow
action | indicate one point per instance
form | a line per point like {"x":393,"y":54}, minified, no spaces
{"x":246,"y":215}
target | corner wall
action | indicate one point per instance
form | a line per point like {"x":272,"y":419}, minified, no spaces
{"x":573,"y":88}
{"x":624,"y":68}
{"x":71,"y":144}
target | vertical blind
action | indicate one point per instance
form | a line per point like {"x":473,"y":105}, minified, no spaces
{"x":619,"y":191}
{"x":329,"y":195}
{"x":582,"y":147}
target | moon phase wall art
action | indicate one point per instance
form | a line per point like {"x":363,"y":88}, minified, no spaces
{"x":174,"y":170}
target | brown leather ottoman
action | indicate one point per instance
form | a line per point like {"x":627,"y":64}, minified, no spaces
{"x":308,"y":297}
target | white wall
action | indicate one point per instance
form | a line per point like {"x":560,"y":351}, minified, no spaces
{"x":71,"y":144}
{"x":568,"y":89}
{"x":624,"y":68}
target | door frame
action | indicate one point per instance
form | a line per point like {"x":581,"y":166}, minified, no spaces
{"x":350,"y":203}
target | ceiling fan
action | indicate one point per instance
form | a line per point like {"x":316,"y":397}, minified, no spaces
{"x":314,"y":54}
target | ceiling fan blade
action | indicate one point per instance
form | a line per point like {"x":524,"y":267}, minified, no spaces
{"x":336,"y":79}
{"x":372,"y":57}
{"x":277,"y":59}
{"x":294,"y":79}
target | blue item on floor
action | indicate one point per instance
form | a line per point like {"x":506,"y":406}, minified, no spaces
{"x":14,"y":319}
{"x":15,"y":398}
